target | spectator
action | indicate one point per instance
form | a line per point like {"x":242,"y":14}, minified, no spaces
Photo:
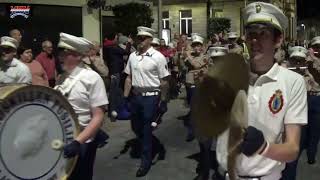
{"x":182,"y":43}
{"x":96,"y":63}
{"x":110,"y":40}
{"x":48,"y":62}
{"x":175,"y":40}
{"x":39,"y":76}
{"x":164,"y":48}
{"x":16,"y":34}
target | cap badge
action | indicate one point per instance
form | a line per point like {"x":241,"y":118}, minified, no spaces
{"x":258,"y":8}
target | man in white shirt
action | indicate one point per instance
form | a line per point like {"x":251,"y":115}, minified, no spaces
{"x":11,"y":69}
{"x":85,"y":91}
{"x":277,"y":100}
{"x":148,"y":78}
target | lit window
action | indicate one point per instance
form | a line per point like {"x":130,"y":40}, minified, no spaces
{"x":186,"y":22}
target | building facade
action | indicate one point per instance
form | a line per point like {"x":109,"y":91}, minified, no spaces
{"x":182,"y":17}
{"x":188,"y":16}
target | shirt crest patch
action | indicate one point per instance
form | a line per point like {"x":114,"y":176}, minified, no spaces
{"x":276,"y":102}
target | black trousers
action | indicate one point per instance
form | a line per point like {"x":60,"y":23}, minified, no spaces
{"x":84,"y":167}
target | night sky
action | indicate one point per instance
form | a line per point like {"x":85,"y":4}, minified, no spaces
{"x":308,"y":8}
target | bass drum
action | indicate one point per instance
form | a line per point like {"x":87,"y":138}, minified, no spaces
{"x":35,"y":123}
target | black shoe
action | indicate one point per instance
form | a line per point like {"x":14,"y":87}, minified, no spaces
{"x":217,"y":176}
{"x":190,"y":137}
{"x":201,"y":177}
{"x":184,"y":117}
{"x":311,"y":161}
{"x":142,"y":172}
{"x":162,"y":153}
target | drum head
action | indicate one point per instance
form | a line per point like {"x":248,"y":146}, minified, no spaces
{"x":35,"y":123}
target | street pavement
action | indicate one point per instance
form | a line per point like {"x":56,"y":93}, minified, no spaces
{"x":178,"y":165}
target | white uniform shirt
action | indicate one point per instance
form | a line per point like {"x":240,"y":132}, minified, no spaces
{"x":88,"y":92}
{"x":147,"y":69}
{"x":277,"y":98}
{"x":17,"y":72}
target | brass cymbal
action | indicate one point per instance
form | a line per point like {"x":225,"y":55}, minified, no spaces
{"x":214,"y":96}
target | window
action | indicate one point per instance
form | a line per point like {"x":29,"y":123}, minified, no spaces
{"x":217,"y":9}
{"x":165,"y":20}
{"x":186,"y":22}
{"x":218,"y":13}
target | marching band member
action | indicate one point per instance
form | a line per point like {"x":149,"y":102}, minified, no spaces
{"x":277,"y":101}
{"x":148,"y":76}
{"x":313,"y":87}
{"x":11,"y":69}
{"x":233,"y":46}
{"x":86,"y":93}
{"x":298,"y":63}
{"x":205,"y":143}
{"x":196,"y":63}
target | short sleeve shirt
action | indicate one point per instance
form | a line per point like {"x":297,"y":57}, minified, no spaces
{"x":277,"y":98}
{"x":312,"y":75}
{"x":15,"y":72}
{"x":88,"y":92}
{"x":193,"y":74}
{"x":147,"y":69}
{"x":237,"y":49}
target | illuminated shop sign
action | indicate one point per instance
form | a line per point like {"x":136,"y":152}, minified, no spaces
{"x":20,"y":11}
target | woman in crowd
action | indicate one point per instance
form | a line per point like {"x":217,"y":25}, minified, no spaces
{"x":39,"y":76}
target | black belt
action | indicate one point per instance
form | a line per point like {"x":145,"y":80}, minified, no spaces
{"x":251,"y":177}
{"x":146,"y":93}
{"x":314,"y":93}
{"x":226,"y":175}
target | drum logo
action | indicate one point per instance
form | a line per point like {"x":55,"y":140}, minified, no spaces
{"x":34,"y":125}
{"x":19,"y":11}
{"x":276,"y":102}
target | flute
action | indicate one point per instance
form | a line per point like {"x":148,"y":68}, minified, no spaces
{"x":295,"y":68}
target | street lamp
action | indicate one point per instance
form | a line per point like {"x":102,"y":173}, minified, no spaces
{"x":304,"y":33}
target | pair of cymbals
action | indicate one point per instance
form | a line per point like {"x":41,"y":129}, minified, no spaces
{"x":215,"y":95}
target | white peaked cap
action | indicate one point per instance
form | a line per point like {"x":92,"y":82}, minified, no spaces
{"x":217,"y":51}
{"x":298,"y":51}
{"x":315,"y":40}
{"x":74,"y":43}
{"x":261,"y":12}
{"x":7,"y":41}
{"x":232,"y":35}
{"x":196,"y":38}
{"x":155,"y":41}
{"x":145,"y":31}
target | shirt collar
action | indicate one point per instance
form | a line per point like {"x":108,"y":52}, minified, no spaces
{"x":149,"y":52}
{"x":270,"y":75}
{"x":273,"y":72}
{"x":13,"y":63}
{"x":75,"y":71}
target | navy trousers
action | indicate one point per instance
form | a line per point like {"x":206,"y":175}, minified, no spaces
{"x":290,"y":172}
{"x":84,"y":167}
{"x":190,"y":93}
{"x":313,"y":131}
{"x":143,"y":111}
{"x":205,"y":157}
{"x":115,"y":93}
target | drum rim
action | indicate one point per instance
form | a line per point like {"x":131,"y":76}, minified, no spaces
{"x":16,"y":88}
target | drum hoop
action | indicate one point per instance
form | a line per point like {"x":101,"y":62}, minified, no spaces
{"x":9,"y":90}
